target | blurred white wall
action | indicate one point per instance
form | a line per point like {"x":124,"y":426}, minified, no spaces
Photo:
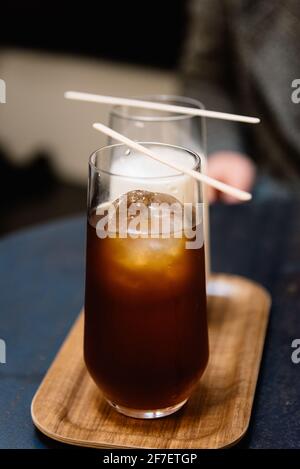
{"x":37,"y":117}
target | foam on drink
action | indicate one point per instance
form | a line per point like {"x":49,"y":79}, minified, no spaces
{"x":132,"y":170}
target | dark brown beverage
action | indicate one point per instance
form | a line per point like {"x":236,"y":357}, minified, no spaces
{"x":146,"y":340}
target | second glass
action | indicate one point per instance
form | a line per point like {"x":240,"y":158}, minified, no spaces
{"x":150,"y":125}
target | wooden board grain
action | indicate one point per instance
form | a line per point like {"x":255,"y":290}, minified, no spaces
{"x":69,"y":407}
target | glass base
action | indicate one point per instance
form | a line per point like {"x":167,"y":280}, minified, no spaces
{"x":147,"y":414}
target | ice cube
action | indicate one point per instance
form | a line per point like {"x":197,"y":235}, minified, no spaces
{"x":144,"y":255}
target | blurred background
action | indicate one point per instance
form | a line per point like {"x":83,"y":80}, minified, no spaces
{"x":115,"y":48}
{"x":125,"y":49}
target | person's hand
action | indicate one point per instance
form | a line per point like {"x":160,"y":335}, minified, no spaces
{"x":232,"y":168}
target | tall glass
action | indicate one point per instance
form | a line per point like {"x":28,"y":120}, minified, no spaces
{"x":146,"y":338}
{"x":176,"y":129}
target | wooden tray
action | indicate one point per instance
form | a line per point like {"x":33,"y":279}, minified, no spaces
{"x":69,"y":408}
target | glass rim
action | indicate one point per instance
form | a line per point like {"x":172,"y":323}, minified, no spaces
{"x":196,"y":156}
{"x":159,"y":98}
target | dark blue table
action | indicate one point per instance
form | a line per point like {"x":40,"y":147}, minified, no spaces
{"x":42,"y":278}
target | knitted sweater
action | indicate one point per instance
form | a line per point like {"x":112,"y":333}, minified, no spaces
{"x":244,"y":56}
